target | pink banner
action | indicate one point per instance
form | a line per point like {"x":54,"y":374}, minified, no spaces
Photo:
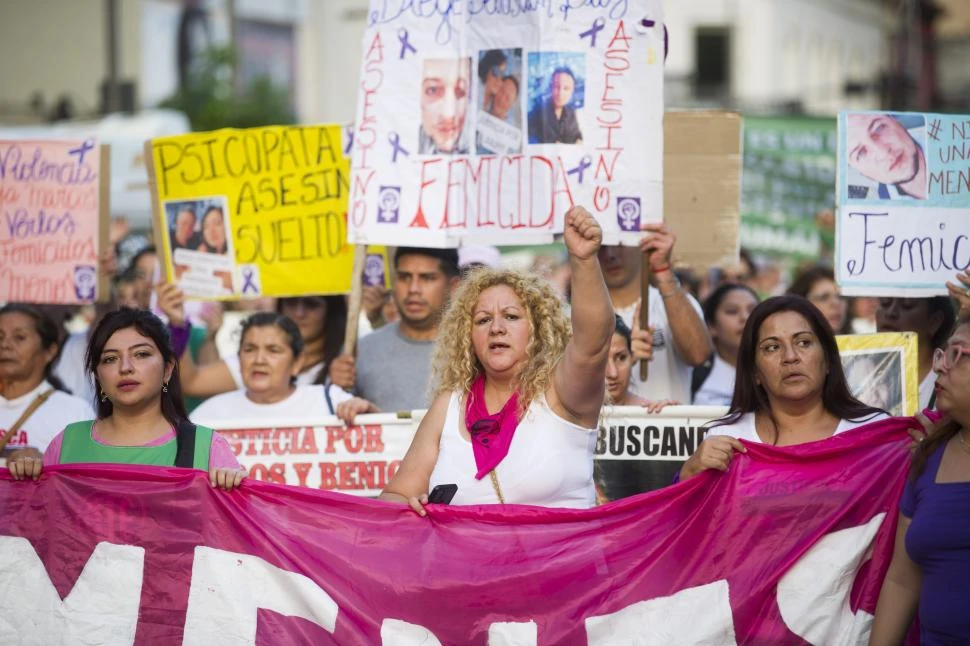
{"x":777,"y":550}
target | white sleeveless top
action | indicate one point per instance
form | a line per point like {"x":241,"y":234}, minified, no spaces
{"x":549,"y":463}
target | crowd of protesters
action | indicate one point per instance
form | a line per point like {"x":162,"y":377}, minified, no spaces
{"x":496,"y":354}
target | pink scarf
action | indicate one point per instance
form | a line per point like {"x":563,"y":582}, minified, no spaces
{"x":491,"y":434}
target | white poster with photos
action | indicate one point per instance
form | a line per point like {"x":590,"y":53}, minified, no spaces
{"x":488,"y":124}
{"x":903,"y":226}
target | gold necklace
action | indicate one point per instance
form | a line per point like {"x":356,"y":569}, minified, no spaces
{"x":963,"y":442}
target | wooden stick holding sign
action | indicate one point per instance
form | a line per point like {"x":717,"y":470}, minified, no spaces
{"x":353,"y":300}
{"x":104,"y":242}
{"x":644,"y":314}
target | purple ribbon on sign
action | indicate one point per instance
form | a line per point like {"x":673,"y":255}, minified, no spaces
{"x":82,"y":150}
{"x":406,"y":46}
{"x":395,"y":140}
{"x":349,"y":130}
{"x":247,"y":274}
{"x":585,"y":163}
{"x":590,"y":33}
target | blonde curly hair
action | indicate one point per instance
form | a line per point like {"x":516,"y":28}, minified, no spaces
{"x":455,"y":364}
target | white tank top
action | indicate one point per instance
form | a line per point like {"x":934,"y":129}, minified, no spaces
{"x":549,"y":463}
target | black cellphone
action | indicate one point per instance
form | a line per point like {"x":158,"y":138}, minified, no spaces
{"x":442,"y":494}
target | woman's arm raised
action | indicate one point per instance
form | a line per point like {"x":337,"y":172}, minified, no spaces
{"x":579,"y":381}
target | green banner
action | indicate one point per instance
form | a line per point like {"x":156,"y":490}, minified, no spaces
{"x":789,"y":176}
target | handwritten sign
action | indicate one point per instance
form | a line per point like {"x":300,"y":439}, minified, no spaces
{"x":255,"y":212}
{"x":54,"y":205}
{"x":490,"y":124}
{"x":904,"y":202}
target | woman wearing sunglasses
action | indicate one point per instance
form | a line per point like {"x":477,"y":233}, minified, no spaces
{"x":930,"y":569}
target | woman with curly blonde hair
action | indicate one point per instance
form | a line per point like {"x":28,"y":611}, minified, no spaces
{"x":517,"y":396}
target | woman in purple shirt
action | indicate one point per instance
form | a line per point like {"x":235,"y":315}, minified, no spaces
{"x":931,"y":563}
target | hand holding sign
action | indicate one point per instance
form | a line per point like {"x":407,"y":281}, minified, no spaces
{"x":961,"y":293}
{"x":641,"y":341}
{"x":582,"y":234}
{"x":171,"y":301}
{"x":343,"y":371}
{"x":659,"y":243}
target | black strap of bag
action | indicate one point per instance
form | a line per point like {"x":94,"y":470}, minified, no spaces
{"x":185,"y":444}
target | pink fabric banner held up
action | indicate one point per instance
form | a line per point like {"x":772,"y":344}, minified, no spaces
{"x":789,"y":546}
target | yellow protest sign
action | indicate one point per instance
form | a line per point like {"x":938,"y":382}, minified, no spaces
{"x":882,"y":370}
{"x":254,"y":212}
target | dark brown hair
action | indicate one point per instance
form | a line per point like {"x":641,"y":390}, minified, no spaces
{"x":750,"y":397}
{"x":150,"y":326}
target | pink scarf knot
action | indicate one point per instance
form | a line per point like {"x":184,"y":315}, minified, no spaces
{"x":491,"y":434}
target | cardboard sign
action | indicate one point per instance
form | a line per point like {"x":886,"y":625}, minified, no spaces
{"x":255,"y":212}
{"x":54,"y":205}
{"x":904,"y":202}
{"x":702,"y":186}
{"x":490,"y":125}
{"x":882,"y":370}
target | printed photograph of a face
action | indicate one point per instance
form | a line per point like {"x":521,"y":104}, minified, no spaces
{"x":445,"y":97}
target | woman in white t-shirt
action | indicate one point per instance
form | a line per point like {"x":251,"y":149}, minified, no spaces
{"x":791,"y":387}
{"x":321,"y":321}
{"x":726,"y":311}
{"x":271,"y":357}
{"x":31,"y":397}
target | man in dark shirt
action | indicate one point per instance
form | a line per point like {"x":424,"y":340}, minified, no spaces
{"x":554,"y":122}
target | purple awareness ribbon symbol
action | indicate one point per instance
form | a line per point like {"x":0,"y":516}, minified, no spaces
{"x":585,"y":163}
{"x":395,"y":140}
{"x":82,"y":150}
{"x":406,"y":46}
{"x":349,"y":131}
{"x":248,"y":283}
{"x":590,"y":33}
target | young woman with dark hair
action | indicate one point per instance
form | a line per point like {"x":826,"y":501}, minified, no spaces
{"x":140,"y":415}
{"x":726,"y":311}
{"x":34,"y":405}
{"x":271,"y":356}
{"x":619,"y":367}
{"x":930,"y":569}
{"x":789,"y":386}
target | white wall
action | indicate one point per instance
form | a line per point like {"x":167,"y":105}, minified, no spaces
{"x":58,"y":47}
{"x":785,"y":50}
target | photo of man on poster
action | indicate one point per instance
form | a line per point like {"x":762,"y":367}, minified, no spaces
{"x":889,"y":151}
{"x":553,"y":118}
{"x":445,"y":94}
